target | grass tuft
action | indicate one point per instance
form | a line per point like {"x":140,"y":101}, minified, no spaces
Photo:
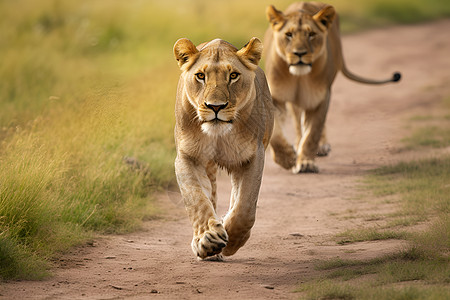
{"x":368,"y":234}
{"x":17,"y":262}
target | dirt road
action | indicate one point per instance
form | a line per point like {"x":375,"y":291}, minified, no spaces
{"x":297,"y":214}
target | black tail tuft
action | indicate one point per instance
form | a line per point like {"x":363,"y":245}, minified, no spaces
{"x":396,"y":77}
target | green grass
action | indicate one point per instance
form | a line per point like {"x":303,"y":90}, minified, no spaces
{"x":409,"y":265}
{"x":328,"y":289}
{"x":368,"y":234}
{"x":431,"y":130}
{"x":422,"y":270}
{"x":410,"y":274}
{"x":423,"y":189}
{"x":430,"y":137}
{"x":85,"y":84}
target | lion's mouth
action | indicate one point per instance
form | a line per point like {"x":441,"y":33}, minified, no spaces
{"x":218,"y":121}
{"x":300,"y":63}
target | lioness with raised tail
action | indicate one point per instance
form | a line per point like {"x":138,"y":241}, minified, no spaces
{"x":224,"y":118}
{"x":303,"y":54}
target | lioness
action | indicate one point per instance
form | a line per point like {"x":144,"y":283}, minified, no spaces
{"x":224,"y":118}
{"x":303,"y":55}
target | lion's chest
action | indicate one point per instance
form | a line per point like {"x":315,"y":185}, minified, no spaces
{"x":226,"y":151}
{"x":303,"y":91}
{"x":310,"y":94}
{"x":230,"y":150}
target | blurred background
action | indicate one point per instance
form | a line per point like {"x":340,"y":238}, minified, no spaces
{"x":86,"y":84}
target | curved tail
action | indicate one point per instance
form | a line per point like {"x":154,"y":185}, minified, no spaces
{"x":395,"y":77}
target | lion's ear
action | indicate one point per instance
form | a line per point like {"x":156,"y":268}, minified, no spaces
{"x":251,"y":53}
{"x":185,"y":52}
{"x":275,"y":17}
{"x":325,"y":17}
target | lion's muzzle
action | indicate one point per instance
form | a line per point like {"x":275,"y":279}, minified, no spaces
{"x":216,"y":108}
{"x":216,"y":112}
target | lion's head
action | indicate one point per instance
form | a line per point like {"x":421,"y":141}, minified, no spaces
{"x":218,"y":80}
{"x":300,"y":36}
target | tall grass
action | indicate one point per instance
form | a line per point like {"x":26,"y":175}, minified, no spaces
{"x":85,"y":84}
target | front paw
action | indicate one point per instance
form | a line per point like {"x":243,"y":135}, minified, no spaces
{"x":324,"y":149}
{"x":211,"y":242}
{"x":305,"y":166}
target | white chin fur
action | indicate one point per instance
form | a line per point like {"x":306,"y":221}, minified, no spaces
{"x":216,"y":129}
{"x":299,"y":70}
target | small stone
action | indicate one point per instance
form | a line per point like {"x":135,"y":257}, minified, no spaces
{"x":116,"y":287}
{"x":296,"y":234}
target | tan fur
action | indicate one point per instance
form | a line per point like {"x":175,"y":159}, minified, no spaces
{"x":303,"y":55}
{"x":224,"y":118}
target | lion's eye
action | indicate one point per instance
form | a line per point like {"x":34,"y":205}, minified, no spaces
{"x":200,"y":76}
{"x":289,"y":35}
{"x":312,"y":35}
{"x":234,"y":75}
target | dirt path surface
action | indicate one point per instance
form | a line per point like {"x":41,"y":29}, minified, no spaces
{"x":297,"y":214}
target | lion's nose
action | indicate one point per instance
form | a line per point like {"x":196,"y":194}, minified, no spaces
{"x":216,"y":108}
{"x":300,"y":54}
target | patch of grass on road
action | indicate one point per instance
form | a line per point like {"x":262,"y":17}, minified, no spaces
{"x":409,"y":274}
{"x":368,"y":234}
{"x":422,"y":270}
{"x":329,"y":289}
{"x":431,"y":130}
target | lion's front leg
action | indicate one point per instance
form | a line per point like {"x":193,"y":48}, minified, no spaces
{"x":297,"y":115}
{"x":197,"y":186}
{"x":308,"y":148}
{"x":244,"y":196}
